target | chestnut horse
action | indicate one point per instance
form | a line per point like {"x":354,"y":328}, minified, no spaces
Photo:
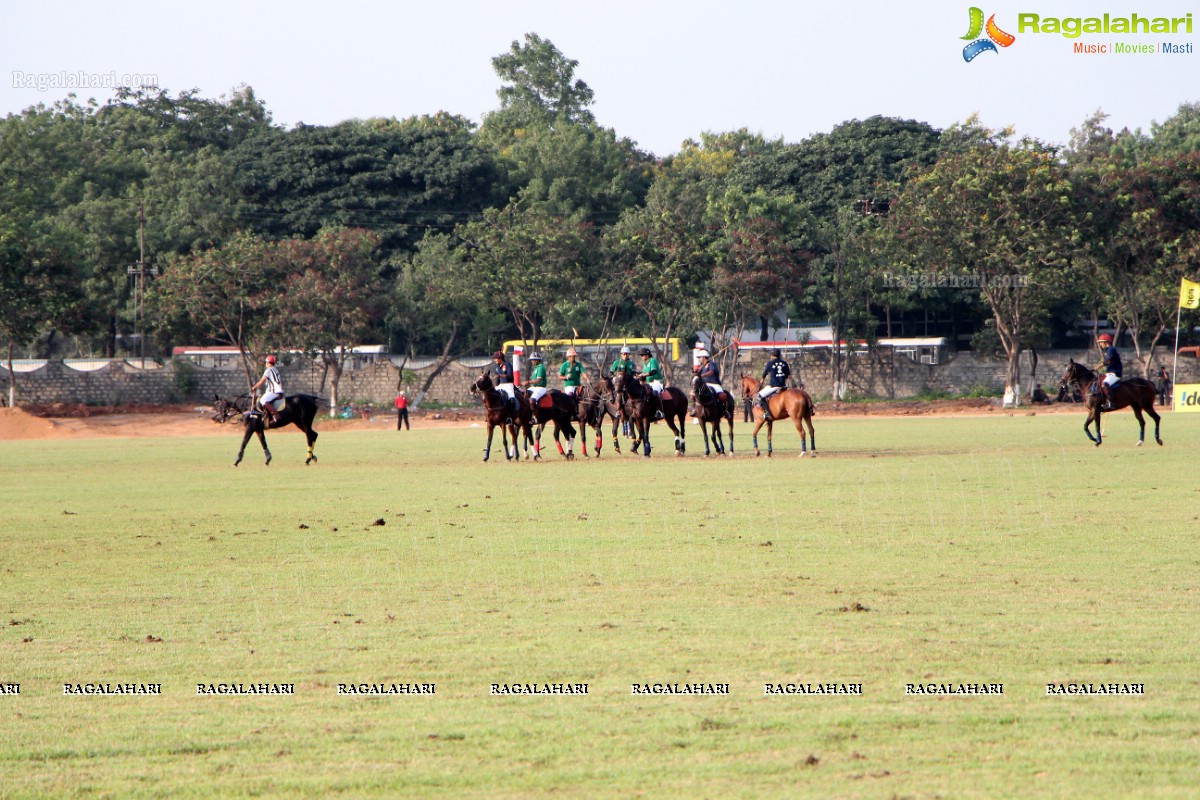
{"x":640,"y":406}
{"x":713,"y":409}
{"x":499,"y":414}
{"x":1137,"y":393}
{"x":298,"y":409}
{"x":794,"y":403}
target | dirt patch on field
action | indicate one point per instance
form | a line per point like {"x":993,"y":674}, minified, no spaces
{"x":64,"y":420}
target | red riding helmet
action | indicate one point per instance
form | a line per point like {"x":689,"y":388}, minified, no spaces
{"x":1104,"y":337}
{"x":271,"y":359}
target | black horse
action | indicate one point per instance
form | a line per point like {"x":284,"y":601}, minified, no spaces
{"x":712,"y":409}
{"x":299,"y":410}
{"x":640,"y":405}
{"x":596,"y":400}
{"x":559,"y":408}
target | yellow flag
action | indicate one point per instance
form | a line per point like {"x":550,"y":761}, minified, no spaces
{"x":1189,"y":294}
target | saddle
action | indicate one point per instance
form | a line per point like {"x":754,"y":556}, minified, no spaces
{"x":546,"y":401}
{"x":277,"y":405}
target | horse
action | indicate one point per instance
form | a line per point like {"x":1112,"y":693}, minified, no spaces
{"x":561,"y":409}
{"x":1137,"y":393}
{"x":298,"y":409}
{"x":225,"y":410}
{"x":794,"y":403}
{"x":712,"y":409}
{"x":500,"y":414}
{"x":595,"y":401}
{"x":640,"y":406}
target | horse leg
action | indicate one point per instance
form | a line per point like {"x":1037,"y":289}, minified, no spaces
{"x":242,"y":449}
{"x":754,"y":435}
{"x":812,"y":434}
{"x":1154,"y":416}
{"x":803,"y":440}
{"x":644,"y":431}
{"x":262,"y":438}
{"x":1094,"y":414}
{"x":312,"y":441}
{"x":1137,"y":412}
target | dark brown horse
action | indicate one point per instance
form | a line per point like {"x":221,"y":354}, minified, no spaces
{"x":500,"y":414}
{"x":1136,"y":393}
{"x":794,"y":403}
{"x":597,"y":400}
{"x":558,"y":408}
{"x":711,"y":409}
{"x":641,"y":408}
{"x":298,"y":409}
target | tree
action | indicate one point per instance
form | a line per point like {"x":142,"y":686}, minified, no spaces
{"x":39,"y":285}
{"x":760,"y":259}
{"x":539,"y":86}
{"x":397,"y":178}
{"x":330,"y":298}
{"x":224,"y":293}
{"x":526,"y":260}
{"x":996,"y":216}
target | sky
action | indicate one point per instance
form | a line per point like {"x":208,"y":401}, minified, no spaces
{"x":662,"y":71}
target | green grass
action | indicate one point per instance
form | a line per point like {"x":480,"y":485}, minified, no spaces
{"x":983,"y":550}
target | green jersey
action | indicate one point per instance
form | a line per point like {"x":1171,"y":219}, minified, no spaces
{"x":537,"y":376}
{"x":651,"y":371}
{"x":572,"y":373}
{"x":623,"y":365}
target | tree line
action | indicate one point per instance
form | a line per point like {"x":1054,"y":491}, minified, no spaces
{"x":441,"y":236}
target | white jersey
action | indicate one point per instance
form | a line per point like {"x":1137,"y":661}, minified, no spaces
{"x":273,"y":383}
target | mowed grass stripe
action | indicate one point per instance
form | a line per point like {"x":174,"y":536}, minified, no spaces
{"x":912,"y":550}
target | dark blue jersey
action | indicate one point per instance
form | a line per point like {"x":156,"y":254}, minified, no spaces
{"x":1112,"y":361}
{"x":777,"y":372}
{"x":710,"y":373}
{"x":502,"y":372}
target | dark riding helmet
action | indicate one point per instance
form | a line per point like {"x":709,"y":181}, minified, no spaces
{"x":498,"y":354}
{"x":776,"y":353}
{"x":645,"y":351}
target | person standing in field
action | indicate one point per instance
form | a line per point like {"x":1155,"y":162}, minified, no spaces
{"x":402,"y":410}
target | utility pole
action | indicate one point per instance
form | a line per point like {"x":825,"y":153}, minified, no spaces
{"x":140,"y":290}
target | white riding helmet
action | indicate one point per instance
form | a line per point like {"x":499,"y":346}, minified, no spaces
{"x":535,"y":356}
{"x":625,"y":351}
{"x":572,"y":352}
{"x":703,"y":354}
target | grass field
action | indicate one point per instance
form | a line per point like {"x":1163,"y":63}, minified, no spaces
{"x":913,"y":551}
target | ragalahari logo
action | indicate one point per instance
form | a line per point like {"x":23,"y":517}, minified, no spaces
{"x":995,"y":36}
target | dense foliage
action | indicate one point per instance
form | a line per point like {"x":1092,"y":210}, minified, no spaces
{"x":438,"y":236}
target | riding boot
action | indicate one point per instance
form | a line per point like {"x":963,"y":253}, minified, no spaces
{"x":1107,"y":392}
{"x":658,"y":407}
{"x":766,"y":409}
{"x":692,"y":412}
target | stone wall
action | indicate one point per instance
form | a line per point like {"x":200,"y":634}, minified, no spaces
{"x":882,"y":374}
